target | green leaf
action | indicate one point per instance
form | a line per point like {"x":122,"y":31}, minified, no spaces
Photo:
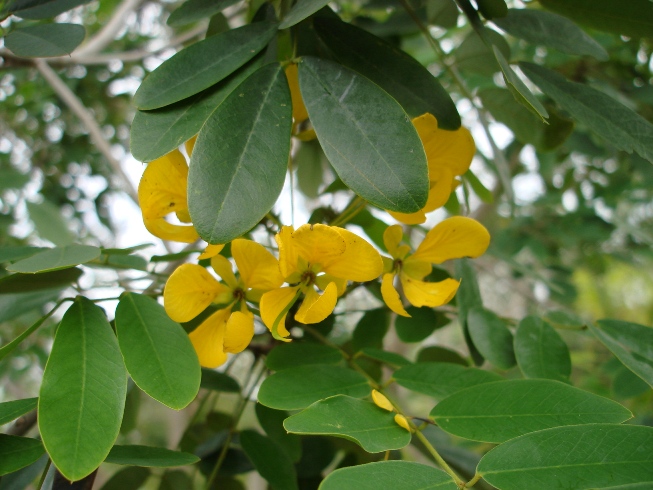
{"x":157,"y":351}
{"x":23,"y":283}
{"x":294,"y":354}
{"x":441,"y":379}
{"x":631,"y":343}
{"x":45,"y":40}
{"x":300,"y":11}
{"x":399,"y":74}
{"x":11,"y":254}
{"x":474,"y":56}
{"x":547,"y":29}
{"x":55,"y":259}
{"x":436,"y":353}
{"x":371,"y":329}
{"x":371,"y":427}
{"x":217,"y":381}
{"x":14,"y":305}
{"x":632,"y":18}
{"x":130,"y":478}
{"x":491,"y":9}
{"x":443,"y":13}
{"x":150,"y":456}
{"x":496,"y":412}
{"x":631,"y":486}
{"x":616,"y":123}
{"x":294,"y":389}
{"x":480,"y":190}
{"x":627,"y":384}
{"x":158,"y":132}
{"x":12,"y":179}
{"x":120,"y":262}
{"x":20,"y":480}
{"x":467,"y":297}
{"x":194,"y":10}
{"x":240,"y":159}
{"x":83,"y":391}
{"x":49,"y":223}
{"x":269,"y":459}
{"x":202,"y":64}
{"x":582,"y":456}
{"x":18,"y":452}
{"x":527,"y":127}
{"x":272,"y":423}
{"x":391,"y":358}
{"x":421,"y":323}
{"x":540,"y":351}
{"x":397,"y":475}
{"x":43,"y":9}
{"x":353,"y":119}
{"x":126,"y":251}
{"x":12,"y":410}
{"x":491,"y":337}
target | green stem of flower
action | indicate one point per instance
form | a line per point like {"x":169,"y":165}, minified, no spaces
{"x":433,"y":452}
{"x":473,"y":481}
{"x":44,"y":474}
{"x":284,"y":312}
{"x":355,"y":206}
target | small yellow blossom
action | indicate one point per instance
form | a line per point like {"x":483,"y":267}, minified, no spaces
{"x":299,"y":112}
{"x":453,"y":238}
{"x":403,"y":422}
{"x":316,"y":257}
{"x":449,"y":155}
{"x":380,"y":400}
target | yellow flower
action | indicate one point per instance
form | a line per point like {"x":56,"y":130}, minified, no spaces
{"x":380,"y":400}
{"x":453,"y":238}
{"x":191,"y":288}
{"x":403,"y":422}
{"x":316,"y":256}
{"x":449,"y":154}
{"x":299,"y":112}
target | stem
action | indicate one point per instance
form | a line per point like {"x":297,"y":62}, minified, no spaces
{"x":438,"y":458}
{"x":355,"y":206}
{"x":44,"y":474}
{"x":473,"y":481}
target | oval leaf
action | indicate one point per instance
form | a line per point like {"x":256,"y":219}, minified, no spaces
{"x":12,"y":410}
{"x":295,"y":354}
{"x":398,"y":475}
{"x":240,"y":159}
{"x":272,"y":423}
{"x":496,"y":412}
{"x":391,"y":358}
{"x":18,"y":452}
{"x":56,"y":259}
{"x":45,"y":40}
{"x":491,"y":337}
{"x":157,"y":351}
{"x":366,"y":135}
{"x":217,"y":381}
{"x":441,"y":379}
{"x":421,"y":323}
{"x":300,"y":11}
{"x":42,"y":9}
{"x":83,"y":391}
{"x":194,"y":10}
{"x":25,"y":283}
{"x":371,"y":427}
{"x":294,"y":389}
{"x":583,"y":456}
{"x":202,"y":64}
{"x":159,"y":457}
{"x":540,"y":351}
{"x":269,"y":459}
{"x":467,"y":297}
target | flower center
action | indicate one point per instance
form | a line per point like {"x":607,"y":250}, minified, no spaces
{"x":238,"y":294}
{"x":308,"y":277}
{"x":397,"y":264}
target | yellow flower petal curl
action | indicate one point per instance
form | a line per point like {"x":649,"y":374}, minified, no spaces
{"x":432,"y":294}
{"x":211,"y":251}
{"x":272,"y":305}
{"x":360,"y":261}
{"x":415,"y":268}
{"x":258,"y":268}
{"x":416,"y":218}
{"x":380,"y":400}
{"x":325,"y":279}
{"x":223,"y":268}
{"x":453,"y":238}
{"x":299,"y":112}
{"x":189,"y":290}
{"x":208,"y":339}
{"x":159,"y":227}
{"x":287,"y":251}
{"x":239,"y":331}
{"x":392,"y":238}
{"x":318,"y":244}
{"x":316,"y":307}
{"x":391,"y":296}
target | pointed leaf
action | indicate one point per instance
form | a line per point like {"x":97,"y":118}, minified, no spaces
{"x":496,"y":412}
{"x":194,"y":10}
{"x":18,"y":452}
{"x":55,"y":259}
{"x":583,"y":456}
{"x":491,"y":337}
{"x":12,"y":410}
{"x":269,"y":459}
{"x":83,"y":391}
{"x":366,"y":135}
{"x":157,"y":351}
{"x":391,"y":358}
{"x":202,"y":64}
{"x":540,"y":351}
{"x":474,"y":56}
{"x":300,"y":11}
{"x":371,"y":427}
{"x":294,"y":354}
{"x":240,"y":159}
{"x":158,"y":457}
{"x":45,"y":40}
{"x":294,"y":389}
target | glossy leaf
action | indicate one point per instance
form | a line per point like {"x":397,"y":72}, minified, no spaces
{"x":83,"y":391}
{"x":540,"y":351}
{"x":202,"y":64}
{"x":300,"y":11}
{"x":294,"y":354}
{"x":12,"y":410}
{"x":583,"y":456}
{"x":45,"y":40}
{"x":130,"y":478}
{"x":611,"y":120}
{"x":55,"y":259}
{"x":25,"y":283}
{"x":371,"y":427}
{"x":421,"y":323}
{"x":240,"y":159}
{"x":17,"y":452}
{"x":399,"y":74}
{"x":443,"y":13}
{"x":491,"y":337}
{"x":366,"y":135}
{"x":157,"y":351}
{"x":272,"y":423}
{"x":271,"y":462}
{"x":436,"y":353}
{"x":294,"y":389}
{"x":491,"y":9}
{"x":398,"y":475}
{"x":441,"y":379}
{"x":194,"y":10}
{"x":150,"y":456}
{"x":547,"y":29}
{"x":631,"y":343}
{"x":496,"y":412}
{"x":217,"y":381}
{"x":386,"y":357}
{"x":42,"y":9}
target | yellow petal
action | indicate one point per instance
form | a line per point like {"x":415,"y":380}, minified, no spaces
{"x":162,"y":188}
{"x":391,"y":296}
{"x":190,"y":145}
{"x":239,"y":331}
{"x":223,"y":268}
{"x":272,"y":305}
{"x":211,"y":251}
{"x":208,"y":339}
{"x":432,"y":294}
{"x":159,"y":227}
{"x":318,"y":244}
{"x":325,"y":279}
{"x":416,"y":218}
{"x":316,"y":307}
{"x":441,"y":187}
{"x":189,"y":290}
{"x":287,"y":252}
{"x":453,"y":238}
{"x":392,"y":238}
{"x":258,"y":268}
{"x":307,"y":135}
{"x":360,"y":261}
{"x":381,"y":401}
{"x":415,"y":268}
{"x":403,"y":422}
{"x":183,"y":216}
{"x":299,"y":112}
